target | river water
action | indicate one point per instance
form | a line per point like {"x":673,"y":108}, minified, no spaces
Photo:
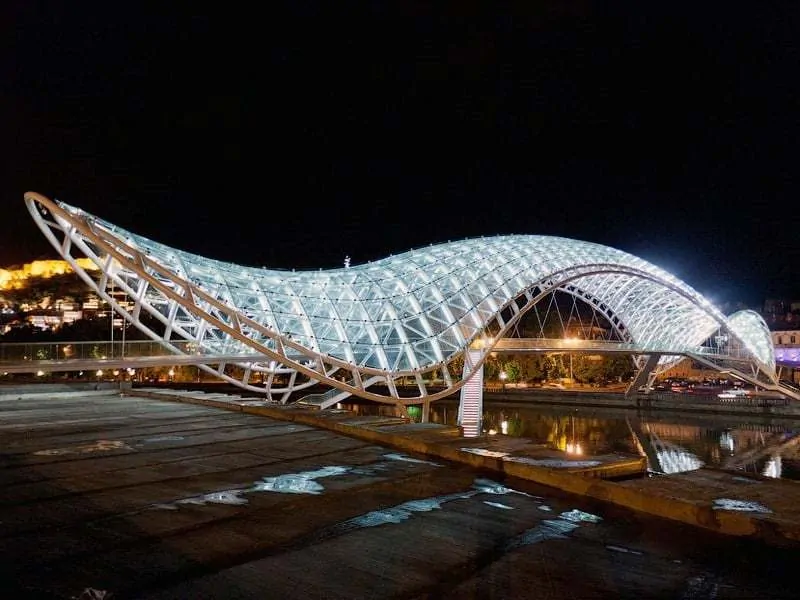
{"x":673,"y":441}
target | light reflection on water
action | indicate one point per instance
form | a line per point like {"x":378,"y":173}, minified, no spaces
{"x":674,"y":441}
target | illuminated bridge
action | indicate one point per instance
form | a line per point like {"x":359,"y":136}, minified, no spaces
{"x":359,"y":329}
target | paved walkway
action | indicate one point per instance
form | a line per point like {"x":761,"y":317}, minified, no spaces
{"x":131,"y":498}
{"x":725,"y":502}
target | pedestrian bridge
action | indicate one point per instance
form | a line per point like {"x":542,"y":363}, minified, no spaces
{"x":440,"y":309}
{"x":50,"y":357}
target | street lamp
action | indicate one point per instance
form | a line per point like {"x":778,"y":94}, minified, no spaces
{"x":503,"y":376}
{"x":570,"y":342}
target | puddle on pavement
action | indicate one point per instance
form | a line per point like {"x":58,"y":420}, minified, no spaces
{"x":298,"y":483}
{"x":745,"y":480}
{"x":233,"y":497}
{"x":549,"y":529}
{"x":498,"y":505}
{"x":623,"y":550}
{"x":578,"y":516}
{"x":163,"y":438}
{"x":487,"y":486}
{"x":404,"y":458}
{"x":740,"y":505}
{"x":292,"y":483}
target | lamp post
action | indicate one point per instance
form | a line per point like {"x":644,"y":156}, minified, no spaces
{"x":111,"y":317}
{"x":503,"y":376}
{"x":570,"y":341}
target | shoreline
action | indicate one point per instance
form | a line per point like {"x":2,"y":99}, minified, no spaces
{"x":762,"y":406}
{"x":751,"y":406}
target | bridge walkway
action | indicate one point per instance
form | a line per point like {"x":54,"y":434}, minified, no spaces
{"x":96,"y":355}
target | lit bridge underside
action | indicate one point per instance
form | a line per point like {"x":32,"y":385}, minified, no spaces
{"x":404,"y":316}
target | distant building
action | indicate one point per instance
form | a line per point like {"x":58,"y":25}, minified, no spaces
{"x":781,"y":314}
{"x":787,"y":352}
{"x":15,"y":277}
{"x":51,"y":318}
{"x":786,"y":338}
{"x":44,"y":319}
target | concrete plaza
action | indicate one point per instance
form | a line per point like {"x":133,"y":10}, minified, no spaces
{"x":145,"y":498}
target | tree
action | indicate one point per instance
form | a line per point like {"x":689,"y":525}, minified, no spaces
{"x":534,"y":367}
{"x":590,"y":369}
{"x":512,"y":370}
{"x":555,"y":368}
{"x":456,"y":367}
{"x":620,"y":366}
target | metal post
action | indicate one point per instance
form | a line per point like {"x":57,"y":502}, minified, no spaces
{"x":111,"y":318}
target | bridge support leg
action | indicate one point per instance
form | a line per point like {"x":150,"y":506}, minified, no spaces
{"x":426,"y":411}
{"x":643,"y":376}
{"x":401,"y":411}
{"x":470,"y":408}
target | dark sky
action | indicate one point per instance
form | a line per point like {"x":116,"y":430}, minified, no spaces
{"x":313,"y":130}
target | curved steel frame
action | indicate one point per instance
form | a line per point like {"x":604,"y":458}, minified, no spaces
{"x":402,"y":316}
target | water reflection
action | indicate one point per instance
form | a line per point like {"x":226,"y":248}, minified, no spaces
{"x":672,"y":441}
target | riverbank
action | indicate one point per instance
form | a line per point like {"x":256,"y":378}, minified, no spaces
{"x":766,"y":406}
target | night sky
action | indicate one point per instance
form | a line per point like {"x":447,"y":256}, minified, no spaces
{"x":315,"y":130}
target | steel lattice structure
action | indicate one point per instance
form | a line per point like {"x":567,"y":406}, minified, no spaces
{"x":403,"y":316}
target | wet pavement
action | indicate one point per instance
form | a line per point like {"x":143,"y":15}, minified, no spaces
{"x":142,"y":498}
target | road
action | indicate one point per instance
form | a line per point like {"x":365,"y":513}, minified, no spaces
{"x":120,"y":497}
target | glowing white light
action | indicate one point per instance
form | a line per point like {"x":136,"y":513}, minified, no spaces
{"x":773,"y":468}
{"x":726,"y":441}
{"x":504,"y":427}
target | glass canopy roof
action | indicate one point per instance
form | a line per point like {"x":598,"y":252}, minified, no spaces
{"x":405,"y":314}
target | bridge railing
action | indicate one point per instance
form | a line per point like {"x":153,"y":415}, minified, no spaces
{"x":17,"y":352}
{"x":734,"y":352}
{"x":575,"y":345}
{"x":560,"y":344}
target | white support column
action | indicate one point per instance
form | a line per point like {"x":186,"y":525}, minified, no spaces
{"x":642,"y":377}
{"x":426,"y":411}
{"x":470,"y":408}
